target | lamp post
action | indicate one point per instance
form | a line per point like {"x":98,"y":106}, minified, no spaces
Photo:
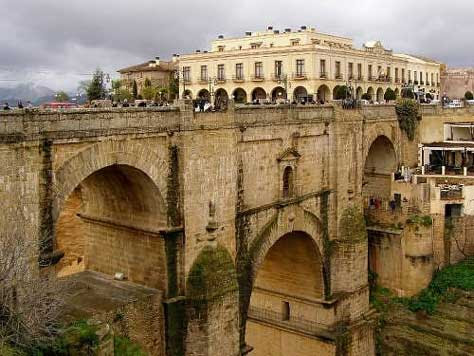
{"x":179,"y":75}
{"x":211,"y":81}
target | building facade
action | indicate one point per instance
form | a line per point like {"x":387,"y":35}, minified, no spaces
{"x":455,"y":82}
{"x":301,"y":65}
{"x":158,"y":72}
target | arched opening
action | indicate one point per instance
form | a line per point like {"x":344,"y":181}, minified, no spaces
{"x":278,"y":93}
{"x":259,"y":94}
{"x":288,"y":182}
{"x":397,"y":92}
{"x":371,"y":93}
{"x":187,"y":94}
{"x":106,"y":223}
{"x":240,"y":96}
{"x":335,"y":91}
{"x":359,"y":93}
{"x":324,"y":94}
{"x":380,"y":163}
{"x":221,"y":99}
{"x":284,"y":296}
{"x":380,"y":93}
{"x":300,"y":94}
{"x":204,"y":94}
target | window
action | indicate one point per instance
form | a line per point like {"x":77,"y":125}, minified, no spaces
{"x":369,"y":71}
{"x":322,"y":68}
{"x":239,"y":71}
{"x":409,"y":76}
{"x":221,"y":48}
{"x":432,"y":79}
{"x":403,"y":75}
{"x":187,"y":74}
{"x":295,"y":42}
{"x":285,"y":311}
{"x":254,"y":45}
{"x":421,"y":78}
{"x":338,"y":70}
{"x":379,"y":72}
{"x":415,"y":78}
{"x":426,"y":79}
{"x":437,"y":78}
{"x":351,"y":70}
{"x":220,"y":72}
{"x":359,"y":71}
{"x":388,"y":74}
{"x":258,"y":70}
{"x":288,"y":182}
{"x":204,"y":73}
{"x":299,"y":67}
{"x":278,"y":69}
{"x":396,"y":75}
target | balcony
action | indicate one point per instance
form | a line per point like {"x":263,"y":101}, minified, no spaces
{"x":339,"y":76}
{"x":278,"y":77}
{"x":258,"y":77}
{"x":371,"y":78}
{"x":350,"y":77}
{"x":410,"y":81}
{"x":221,"y":79}
{"x":299,"y":76}
{"x":438,"y":84}
{"x":203,"y":80}
{"x":323,"y":75}
{"x":404,"y":81}
{"x":415,"y":82}
{"x":293,"y":323}
{"x":238,"y":78}
{"x":360,"y":78}
{"x":422,"y":83}
{"x":453,"y":192}
{"x":187,"y":80}
{"x":397,"y":81}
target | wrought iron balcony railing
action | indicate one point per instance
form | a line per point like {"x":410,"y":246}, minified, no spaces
{"x":299,"y":75}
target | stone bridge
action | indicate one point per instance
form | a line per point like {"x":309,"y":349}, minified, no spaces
{"x":248,"y":222}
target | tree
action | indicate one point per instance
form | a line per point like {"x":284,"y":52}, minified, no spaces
{"x":96,"y":89}
{"x":407,"y":93}
{"x":468,"y":96}
{"x":147,"y":83}
{"x":135,"y":90}
{"x":366,"y":96}
{"x":83,"y":86}
{"x":61,"y":96}
{"x":122,"y":94}
{"x":149,"y":93}
{"x":340,"y":92}
{"x":390,"y":95}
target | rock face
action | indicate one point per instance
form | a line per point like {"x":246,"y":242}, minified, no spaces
{"x":449,"y":331}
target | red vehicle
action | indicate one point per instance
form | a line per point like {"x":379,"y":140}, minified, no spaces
{"x":58,"y":105}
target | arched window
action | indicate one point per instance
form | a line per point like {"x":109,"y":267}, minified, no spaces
{"x":288,"y":182}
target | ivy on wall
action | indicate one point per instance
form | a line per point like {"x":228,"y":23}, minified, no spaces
{"x":408,"y":116}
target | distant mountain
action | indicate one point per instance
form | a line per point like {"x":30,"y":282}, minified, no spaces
{"x":37,"y":94}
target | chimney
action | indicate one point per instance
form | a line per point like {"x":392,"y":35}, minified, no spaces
{"x":198,"y":51}
{"x":287,"y":30}
{"x":175,"y":58}
{"x":248,"y":33}
{"x":270,"y":28}
{"x":276,"y":32}
{"x":221,"y":37}
{"x":303,"y":28}
{"x":157,"y":61}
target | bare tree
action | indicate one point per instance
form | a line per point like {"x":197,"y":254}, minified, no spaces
{"x":30,"y":303}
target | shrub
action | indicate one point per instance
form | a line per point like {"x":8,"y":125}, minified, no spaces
{"x":390,"y":95}
{"x":340,"y":92}
{"x":366,"y":96}
{"x":468,"y":95}
{"x":407,"y":93}
{"x":408,"y":116}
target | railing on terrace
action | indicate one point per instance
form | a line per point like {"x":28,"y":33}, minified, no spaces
{"x":451,"y":192}
{"x":323,"y":75}
{"x":258,"y":77}
{"x":295,"y":323}
{"x":299,"y":75}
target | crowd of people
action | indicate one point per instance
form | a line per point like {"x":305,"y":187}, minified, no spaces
{"x":19,"y":105}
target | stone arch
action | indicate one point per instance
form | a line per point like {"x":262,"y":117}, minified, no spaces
{"x":300,"y":94}
{"x":204,"y":94}
{"x":324,"y":93}
{"x":240,"y":96}
{"x":278,"y":93}
{"x":397,"y":92}
{"x":380,"y":163}
{"x":371,"y":93}
{"x":259,"y":94}
{"x":359,"y":93}
{"x":283,"y":223}
{"x":188,"y":94}
{"x":221,"y":98}
{"x":380,"y":94}
{"x":334,"y":92}
{"x":102,"y":155}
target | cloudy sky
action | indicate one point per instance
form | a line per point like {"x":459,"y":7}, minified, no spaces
{"x":57,"y":43}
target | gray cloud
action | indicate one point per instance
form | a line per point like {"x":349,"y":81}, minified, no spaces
{"x":56,"y":42}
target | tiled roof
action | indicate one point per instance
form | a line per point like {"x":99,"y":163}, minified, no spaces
{"x":146,"y":67}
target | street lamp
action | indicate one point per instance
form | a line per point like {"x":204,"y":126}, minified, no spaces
{"x":180,"y":75}
{"x":283,"y":79}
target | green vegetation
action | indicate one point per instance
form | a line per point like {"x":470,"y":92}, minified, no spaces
{"x":124,"y":347}
{"x":424,"y":220}
{"x":340,"y":92}
{"x":468,"y":95}
{"x":390,"y":95}
{"x":408,"y":116}
{"x":96,"y":89}
{"x":366,"y":96}
{"x":135,"y":90}
{"x":407,"y":93}
{"x":353,"y":226}
{"x":62,"y":97}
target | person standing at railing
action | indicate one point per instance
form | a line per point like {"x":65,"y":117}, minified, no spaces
{"x":6,"y":107}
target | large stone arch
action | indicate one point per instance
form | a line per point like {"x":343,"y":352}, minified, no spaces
{"x":284,"y":222}
{"x":101,"y":155}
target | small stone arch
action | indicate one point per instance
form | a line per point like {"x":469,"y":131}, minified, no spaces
{"x":300,"y":94}
{"x":278,"y":93}
{"x":324,"y":93}
{"x":371,"y":93}
{"x":334,"y":92}
{"x":188,"y":94}
{"x":380,"y":94}
{"x":259,"y":94}
{"x":101,"y":155}
{"x":397,"y":92}
{"x":221,"y":98}
{"x":240,"y":96}
{"x":359,"y":93}
{"x":204,"y":94}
